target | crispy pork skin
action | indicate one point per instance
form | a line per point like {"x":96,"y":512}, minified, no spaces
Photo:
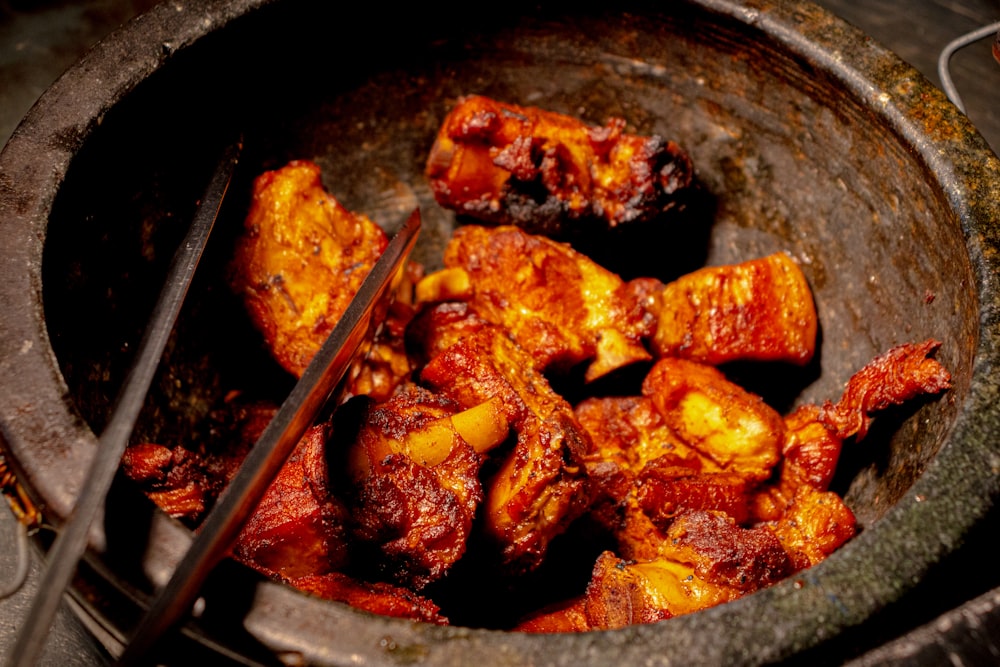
{"x":759,"y":310}
{"x":509,"y":164}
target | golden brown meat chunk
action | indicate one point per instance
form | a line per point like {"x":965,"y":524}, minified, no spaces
{"x":387,"y":366}
{"x":558,"y":304}
{"x":760,"y":310}
{"x":626,"y":433}
{"x":299,"y":526}
{"x":416,"y":480}
{"x":374,"y":597}
{"x":813,"y":526}
{"x":638,"y":468}
{"x":705,"y":559}
{"x":300,"y":260}
{"x":568,"y":616}
{"x":664,"y":490}
{"x":724,"y":422}
{"x":184,"y":482}
{"x":644,"y":475}
{"x":541,"y":484}
{"x":902,"y":373}
{"x":815,"y":435}
{"x":171,"y":478}
{"x":508,"y":164}
{"x":629,"y":432}
{"x":809,"y":459}
{"x":626,"y":592}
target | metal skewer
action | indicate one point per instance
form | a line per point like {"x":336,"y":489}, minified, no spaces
{"x":313,"y":391}
{"x":71,"y":542}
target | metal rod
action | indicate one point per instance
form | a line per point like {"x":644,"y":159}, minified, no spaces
{"x":71,"y":542}
{"x":311,"y":393}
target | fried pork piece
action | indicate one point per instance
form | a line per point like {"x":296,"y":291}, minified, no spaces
{"x":625,"y":592}
{"x":810,"y":454}
{"x":815,"y":435}
{"x":627,"y":435}
{"x":185,"y":483}
{"x":760,"y":310}
{"x":558,"y":304}
{"x":644,"y":474}
{"x":300,"y":260}
{"x":665,"y":489}
{"x":415,"y":466}
{"x":171,"y":478}
{"x":705,"y":559}
{"x":299,"y":527}
{"x":893,"y":378}
{"x":569,"y":616}
{"x":377,"y":597}
{"x":387,"y":366}
{"x":813,"y":526}
{"x":722,"y":421}
{"x":541,"y":484}
{"x":508,"y":164}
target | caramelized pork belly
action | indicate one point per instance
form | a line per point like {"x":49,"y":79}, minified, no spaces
{"x":628,"y":432}
{"x":375,"y":597}
{"x":722,"y":421}
{"x":568,"y":616}
{"x":416,"y":484}
{"x":172,"y":478}
{"x":813,"y":526}
{"x":664,"y":490}
{"x":299,"y":526}
{"x":627,"y":592}
{"x":558,"y":304}
{"x":541,"y":484}
{"x":705,"y":559}
{"x":760,"y":310}
{"x":508,"y":164}
{"x":301,"y":258}
{"x":627,"y":435}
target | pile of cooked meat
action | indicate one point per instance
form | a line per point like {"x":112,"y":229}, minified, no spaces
{"x":480,"y":472}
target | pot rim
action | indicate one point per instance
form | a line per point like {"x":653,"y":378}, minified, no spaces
{"x":37,"y":407}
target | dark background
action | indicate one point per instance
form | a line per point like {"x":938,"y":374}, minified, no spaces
{"x":39,"y":39}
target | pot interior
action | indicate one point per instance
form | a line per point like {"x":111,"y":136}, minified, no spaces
{"x":787,"y":157}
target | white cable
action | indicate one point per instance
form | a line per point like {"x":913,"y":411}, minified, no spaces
{"x":944,"y":73}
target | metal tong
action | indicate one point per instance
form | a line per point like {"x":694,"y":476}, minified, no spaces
{"x":316,"y":388}
{"x":71,"y":542}
{"x":312,"y":392}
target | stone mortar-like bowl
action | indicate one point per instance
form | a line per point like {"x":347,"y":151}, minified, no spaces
{"x":807,"y":137}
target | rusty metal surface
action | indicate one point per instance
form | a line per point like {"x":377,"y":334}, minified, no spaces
{"x":743,"y":213}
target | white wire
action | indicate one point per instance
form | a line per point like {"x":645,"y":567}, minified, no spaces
{"x":945,"y":74}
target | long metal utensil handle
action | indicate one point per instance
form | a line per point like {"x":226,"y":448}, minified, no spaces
{"x":314,"y":389}
{"x":71,"y":542}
